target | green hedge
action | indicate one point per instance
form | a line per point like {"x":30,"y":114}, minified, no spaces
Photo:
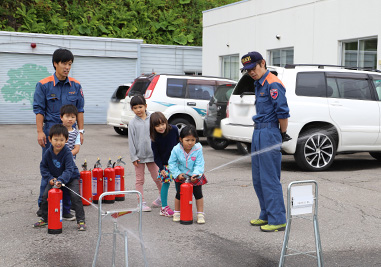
{"x":155,"y":21}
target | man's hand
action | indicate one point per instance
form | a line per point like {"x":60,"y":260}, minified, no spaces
{"x":285,"y":137}
{"x":81,"y":138}
{"x":41,"y":138}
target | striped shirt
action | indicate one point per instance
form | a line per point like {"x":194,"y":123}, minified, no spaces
{"x":74,"y":139}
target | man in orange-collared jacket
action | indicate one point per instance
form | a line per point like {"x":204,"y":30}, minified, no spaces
{"x":270,"y":126}
{"x":50,"y":95}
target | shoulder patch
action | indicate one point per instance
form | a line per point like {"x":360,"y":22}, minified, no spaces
{"x":47,"y":79}
{"x":274,"y":93}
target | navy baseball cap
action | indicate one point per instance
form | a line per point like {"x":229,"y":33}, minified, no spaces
{"x":250,"y":59}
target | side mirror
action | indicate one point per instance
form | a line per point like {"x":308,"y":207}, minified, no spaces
{"x":212,"y":100}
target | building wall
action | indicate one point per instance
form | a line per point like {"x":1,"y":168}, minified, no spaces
{"x":170,"y":59}
{"x":313,"y":28}
{"x":100,"y":65}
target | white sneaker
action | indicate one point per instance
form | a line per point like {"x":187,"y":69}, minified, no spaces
{"x":200,"y":218}
{"x":145,"y":207}
{"x":156,"y":203}
{"x":176,"y":217}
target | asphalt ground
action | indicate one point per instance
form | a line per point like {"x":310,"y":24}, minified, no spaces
{"x":349,"y":212}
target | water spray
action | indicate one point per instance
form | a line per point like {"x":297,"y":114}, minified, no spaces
{"x":249,"y":155}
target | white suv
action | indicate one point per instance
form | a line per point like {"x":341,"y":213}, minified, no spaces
{"x":114,"y":111}
{"x":333,"y":110}
{"x":182,"y":99}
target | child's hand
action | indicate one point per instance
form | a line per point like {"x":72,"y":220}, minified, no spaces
{"x":136,"y":162}
{"x":163,"y":173}
{"x":194,"y":178}
{"x":51,"y":182}
{"x":58,"y":184}
{"x":181,"y":177}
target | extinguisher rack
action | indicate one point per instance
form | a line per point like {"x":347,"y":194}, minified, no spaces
{"x":116,"y":231}
{"x":302,"y":203}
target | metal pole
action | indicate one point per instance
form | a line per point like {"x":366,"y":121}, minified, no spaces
{"x":114,"y":244}
{"x":99,"y":232}
{"x":125,"y":248}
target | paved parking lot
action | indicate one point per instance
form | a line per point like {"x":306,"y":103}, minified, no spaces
{"x":349,"y":212}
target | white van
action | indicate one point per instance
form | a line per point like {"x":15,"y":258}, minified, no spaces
{"x":182,"y":99}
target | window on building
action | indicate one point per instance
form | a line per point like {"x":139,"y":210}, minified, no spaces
{"x":281,"y":57}
{"x":360,"y":53}
{"x":230,"y":67}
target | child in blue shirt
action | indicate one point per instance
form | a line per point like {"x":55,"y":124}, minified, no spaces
{"x":187,"y":158}
{"x":57,"y":167}
{"x":163,"y":138}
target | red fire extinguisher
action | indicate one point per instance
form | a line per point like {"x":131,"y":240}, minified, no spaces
{"x":85,"y":185}
{"x":119,"y":179}
{"x":55,"y":210}
{"x":97,"y":181}
{"x":186,"y":196}
{"x":109,"y":183}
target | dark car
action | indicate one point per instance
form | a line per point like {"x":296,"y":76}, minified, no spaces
{"x":216,"y":111}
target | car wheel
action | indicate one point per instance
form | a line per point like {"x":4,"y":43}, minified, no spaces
{"x":244,"y":148}
{"x":121,"y":131}
{"x":316,"y":150}
{"x":217,"y":143}
{"x":180,"y":123}
{"x":376,"y":155}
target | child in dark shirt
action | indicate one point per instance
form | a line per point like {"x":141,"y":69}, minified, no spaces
{"x":163,"y":138}
{"x":58,"y":167}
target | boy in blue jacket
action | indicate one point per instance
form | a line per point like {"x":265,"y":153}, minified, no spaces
{"x":57,"y":167}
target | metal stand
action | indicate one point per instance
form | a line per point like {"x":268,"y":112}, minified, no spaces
{"x":305,"y":205}
{"x":115,"y":214}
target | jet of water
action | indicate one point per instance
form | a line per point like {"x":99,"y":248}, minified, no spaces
{"x":81,"y":197}
{"x":249,"y":155}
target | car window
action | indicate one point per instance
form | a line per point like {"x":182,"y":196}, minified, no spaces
{"x":350,"y":88}
{"x":120,"y":92}
{"x":244,"y":86}
{"x":376,"y":79}
{"x":311,"y":84}
{"x":200,"y":89}
{"x":139,"y":87}
{"x":223,"y":93}
{"x":176,"y":87}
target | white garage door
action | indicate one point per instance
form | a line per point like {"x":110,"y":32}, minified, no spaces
{"x":99,"y":77}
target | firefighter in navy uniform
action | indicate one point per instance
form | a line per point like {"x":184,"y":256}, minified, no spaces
{"x":270,"y":125}
{"x":50,"y":95}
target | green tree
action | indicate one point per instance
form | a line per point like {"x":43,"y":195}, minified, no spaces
{"x":176,"y":22}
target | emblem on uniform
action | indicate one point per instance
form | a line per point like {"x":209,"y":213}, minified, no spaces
{"x":81,"y":92}
{"x":274,"y":93}
{"x":53,"y":95}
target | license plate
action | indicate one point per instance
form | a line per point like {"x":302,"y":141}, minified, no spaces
{"x":217,"y":133}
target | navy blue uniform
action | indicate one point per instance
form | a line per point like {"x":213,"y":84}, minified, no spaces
{"x":50,"y":95}
{"x":271,"y":105}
